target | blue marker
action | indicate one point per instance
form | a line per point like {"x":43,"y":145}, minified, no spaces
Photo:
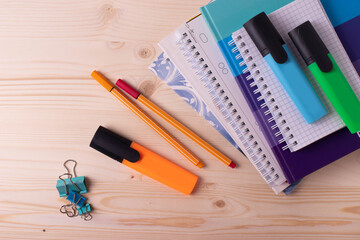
{"x":277,"y":55}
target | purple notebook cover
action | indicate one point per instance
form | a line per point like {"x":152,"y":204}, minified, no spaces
{"x":349,"y":34}
{"x":297,"y":165}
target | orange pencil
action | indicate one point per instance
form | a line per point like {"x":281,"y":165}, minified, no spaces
{"x":135,"y":94}
{"x":135,"y":109}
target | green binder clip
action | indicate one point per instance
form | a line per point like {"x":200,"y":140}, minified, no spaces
{"x":75,"y":184}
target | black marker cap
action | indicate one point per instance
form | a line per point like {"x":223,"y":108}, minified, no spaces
{"x":310,"y":46}
{"x":266,"y":38}
{"x":113,"y":145}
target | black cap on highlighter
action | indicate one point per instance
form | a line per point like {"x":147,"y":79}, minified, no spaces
{"x":114,"y":146}
{"x":310,"y":46}
{"x":266,"y":38}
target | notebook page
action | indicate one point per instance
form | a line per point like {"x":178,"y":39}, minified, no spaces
{"x":248,"y":135}
{"x":297,"y":132}
{"x":164,"y":69}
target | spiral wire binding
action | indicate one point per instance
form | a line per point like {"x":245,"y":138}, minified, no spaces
{"x":226,"y":107}
{"x":273,"y":112}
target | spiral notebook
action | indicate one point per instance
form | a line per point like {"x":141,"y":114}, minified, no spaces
{"x":285,"y":117}
{"x":165,"y":69}
{"x":193,"y":49}
{"x":295,"y":165}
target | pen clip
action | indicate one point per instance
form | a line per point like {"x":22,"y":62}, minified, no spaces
{"x":114,"y":146}
{"x":323,"y":61}
{"x":277,"y":50}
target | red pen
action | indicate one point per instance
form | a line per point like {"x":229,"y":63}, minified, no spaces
{"x":135,"y":94}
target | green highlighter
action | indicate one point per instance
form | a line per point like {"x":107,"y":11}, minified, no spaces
{"x":328,"y":74}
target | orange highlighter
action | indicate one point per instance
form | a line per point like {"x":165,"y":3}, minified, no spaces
{"x":143,"y":160}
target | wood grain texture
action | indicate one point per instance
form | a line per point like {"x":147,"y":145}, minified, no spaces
{"x":50,"y":109}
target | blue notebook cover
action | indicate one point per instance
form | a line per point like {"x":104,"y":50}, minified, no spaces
{"x":345,"y":17}
{"x":295,"y":165}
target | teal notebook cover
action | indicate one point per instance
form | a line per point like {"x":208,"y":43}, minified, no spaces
{"x":226,"y":16}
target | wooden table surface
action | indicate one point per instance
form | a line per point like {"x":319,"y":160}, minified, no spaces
{"x":50,"y":109}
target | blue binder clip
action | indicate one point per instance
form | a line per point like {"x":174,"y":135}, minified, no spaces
{"x":76,"y":184}
{"x":76,"y":199}
{"x":84,"y":209}
{"x":84,"y":212}
{"x":72,"y":188}
{"x":70,"y":210}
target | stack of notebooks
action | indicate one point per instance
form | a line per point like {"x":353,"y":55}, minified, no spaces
{"x":213,"y":64}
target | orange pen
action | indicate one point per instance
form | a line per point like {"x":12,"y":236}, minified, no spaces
{"x":135,"y":94}
{"x":135,"y":109}
{"x":143,"y":160}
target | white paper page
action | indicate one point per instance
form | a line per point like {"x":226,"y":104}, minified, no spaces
{"x":201,"y":38}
